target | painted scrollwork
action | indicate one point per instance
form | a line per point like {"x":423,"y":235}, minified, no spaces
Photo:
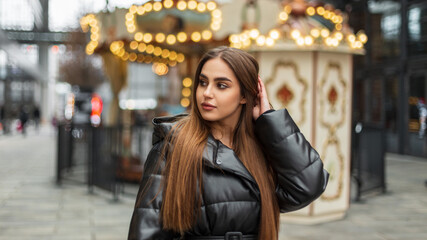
{"x":286,"y":93}
{"x":333,"y":99}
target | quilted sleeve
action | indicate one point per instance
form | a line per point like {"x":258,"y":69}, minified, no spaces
{"x":301,"y":177}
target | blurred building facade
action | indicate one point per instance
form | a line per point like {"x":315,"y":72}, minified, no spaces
{"x":389,"y":79}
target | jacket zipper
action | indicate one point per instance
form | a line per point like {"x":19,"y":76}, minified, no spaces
{"x":215,"y":156}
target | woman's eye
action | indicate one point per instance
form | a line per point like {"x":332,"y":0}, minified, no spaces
{"x":222,"y":85}
{"x":202,"y":83}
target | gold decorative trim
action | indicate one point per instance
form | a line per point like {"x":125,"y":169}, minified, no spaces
{"x":332,"y":127}
{"x":332,"y":138}
{"x":301,"y":80}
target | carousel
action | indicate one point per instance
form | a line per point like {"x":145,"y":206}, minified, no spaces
{"x":306,"y":61}
{"x":304,"y":48}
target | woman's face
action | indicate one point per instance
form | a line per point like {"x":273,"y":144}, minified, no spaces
{"x":218,"y":93}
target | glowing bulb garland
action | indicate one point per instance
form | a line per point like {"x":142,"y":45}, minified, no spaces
{"x":165,"y":56}
{"x":181,"y":5}
{"x":141,"y":47}
{"x":90,"y":22}
{"x":319,"y":36}
{"x":186,"y":91}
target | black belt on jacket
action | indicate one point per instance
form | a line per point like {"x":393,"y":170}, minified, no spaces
{"x":227,"y":236}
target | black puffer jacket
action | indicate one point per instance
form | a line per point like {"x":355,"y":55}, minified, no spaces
{"x":231,"y":198}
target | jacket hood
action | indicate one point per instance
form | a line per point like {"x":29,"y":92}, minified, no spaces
{"x":163,"y":125}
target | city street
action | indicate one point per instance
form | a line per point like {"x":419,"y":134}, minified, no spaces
{"x":32,"y":206}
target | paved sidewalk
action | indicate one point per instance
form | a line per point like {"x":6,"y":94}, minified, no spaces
{"x":400,"y":214}
{"x":32,"y":206}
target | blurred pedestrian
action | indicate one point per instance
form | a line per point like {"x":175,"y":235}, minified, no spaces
{"x":4,"y":121}
{"x":1,"y":117}
{"x":422,"y":111}
{"x":23,"y":118}
{"x":228,"y":169}
{"x":36,"y":117}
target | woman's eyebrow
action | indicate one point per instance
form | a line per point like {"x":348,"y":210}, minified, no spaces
{"x":216,"y":79}
{"x":222,"y":79}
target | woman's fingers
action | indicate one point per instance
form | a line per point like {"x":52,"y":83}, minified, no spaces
{"x":263,"y":99}
{"x":262,"y":87}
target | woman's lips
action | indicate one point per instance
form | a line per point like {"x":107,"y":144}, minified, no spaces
{"x":207,"y":106}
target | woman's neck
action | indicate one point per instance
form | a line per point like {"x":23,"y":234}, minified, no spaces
{"x":223,"y":133}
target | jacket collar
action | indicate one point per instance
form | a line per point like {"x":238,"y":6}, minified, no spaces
{"x":163,"y":125}
{"x":216,"y":155}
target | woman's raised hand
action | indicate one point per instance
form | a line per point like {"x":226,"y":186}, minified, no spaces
{"x":261,"y":104}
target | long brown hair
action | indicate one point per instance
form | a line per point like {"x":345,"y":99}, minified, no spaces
{"x":183,"y":172}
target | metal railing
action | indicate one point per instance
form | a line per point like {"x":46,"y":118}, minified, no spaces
{"x":368,"y":165}
{"x":105,"y":157}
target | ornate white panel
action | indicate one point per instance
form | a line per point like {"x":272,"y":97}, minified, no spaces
{"x":316,"y":88}
{"x":333,"y":128}
{"x":287,"y":78}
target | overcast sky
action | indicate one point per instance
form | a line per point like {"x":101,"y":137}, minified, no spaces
{"x":64,"y":15}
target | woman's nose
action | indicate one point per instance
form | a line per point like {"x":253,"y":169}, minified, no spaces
{"x":208,"y":92}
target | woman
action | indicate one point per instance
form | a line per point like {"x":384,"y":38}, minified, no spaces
{"x":228,"y":169}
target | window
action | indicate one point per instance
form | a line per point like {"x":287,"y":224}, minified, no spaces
{"x":3,"y":64}
{"x":385,"y":29}
{"x":417,"y":30}
{"x":390,"y":26}
{"x":16,"y":15}
{"x":414,"y":27}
